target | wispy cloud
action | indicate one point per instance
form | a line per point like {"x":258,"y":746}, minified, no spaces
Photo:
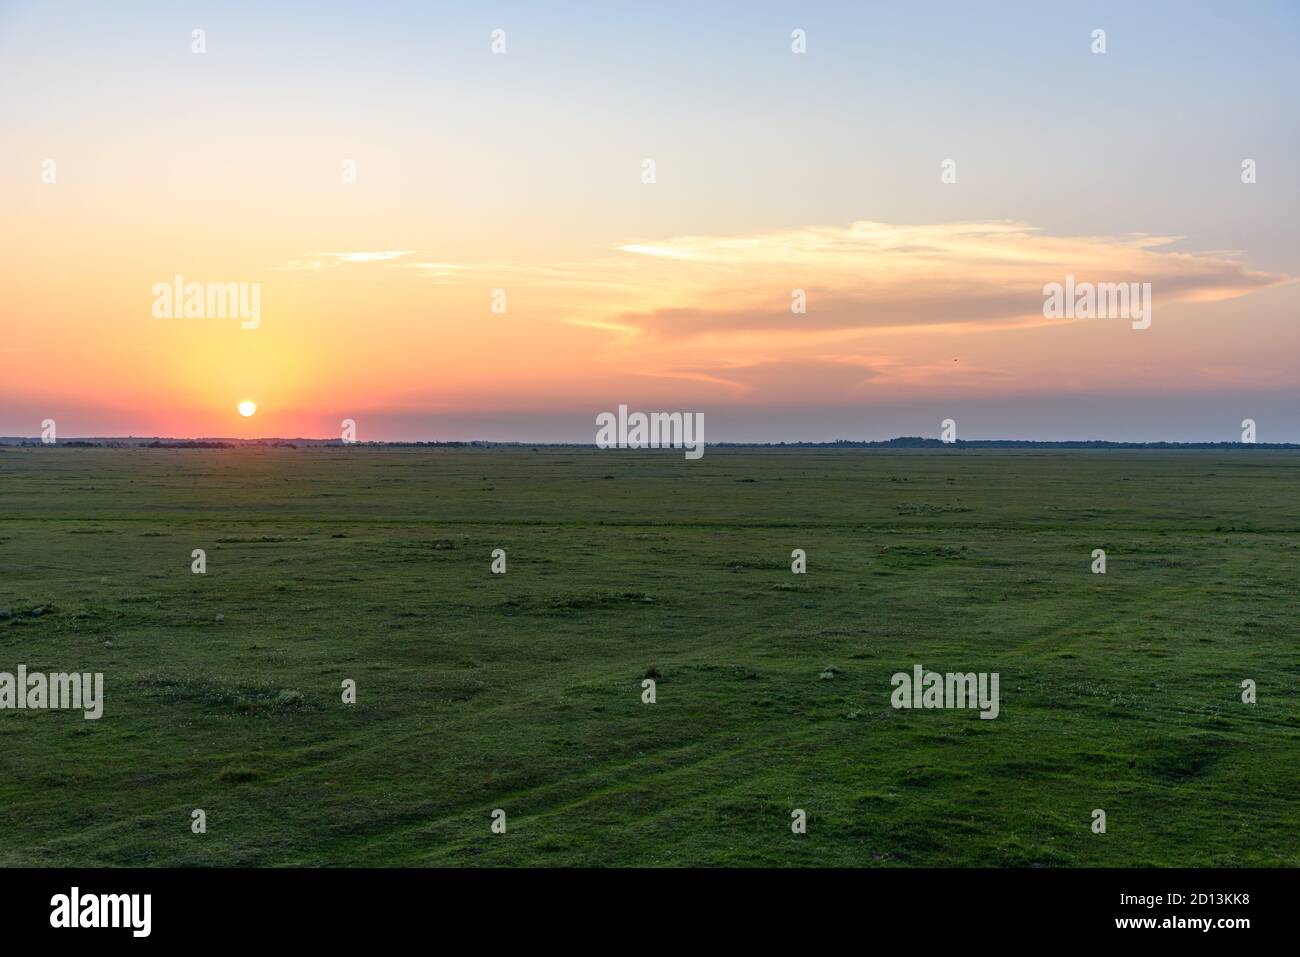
{"x":315,"y":262}
{"x":885,"y":304}
{"x":785,"y":380}
{"x":856,"y":278}
{"x":369,"y":257}
{"x":876,"y":275}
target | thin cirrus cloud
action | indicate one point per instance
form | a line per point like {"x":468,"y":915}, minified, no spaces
{"x":785,"y":380}
{"x":317,"y":261}
{"x":708,"y":318}
{"x":877,"y":276}
{"x":857,"y":278}
{"x":369,"y":257}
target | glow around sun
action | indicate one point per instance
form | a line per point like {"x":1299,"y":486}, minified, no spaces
{"x":247,"y":408}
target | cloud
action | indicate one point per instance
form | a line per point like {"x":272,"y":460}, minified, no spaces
{"x":859,"y":278}
{"x":876,"y":275}
{"x":368,"y":257}
{"x":784,"y":380}
{"x":315,"y":262}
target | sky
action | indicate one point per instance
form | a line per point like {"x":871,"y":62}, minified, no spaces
{"x":452,"y":243}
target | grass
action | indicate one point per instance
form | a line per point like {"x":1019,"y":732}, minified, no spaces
{"x":523,"y":691}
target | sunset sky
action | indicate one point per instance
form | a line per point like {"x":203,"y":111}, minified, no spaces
{"x":775,"y":171}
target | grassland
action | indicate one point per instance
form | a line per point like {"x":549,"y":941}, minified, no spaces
{"x":522,"y":691}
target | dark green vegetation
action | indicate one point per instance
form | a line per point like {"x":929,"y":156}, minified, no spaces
{"x":477,"y":691}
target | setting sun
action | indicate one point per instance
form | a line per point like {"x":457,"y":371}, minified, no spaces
{"x":247,"y":408}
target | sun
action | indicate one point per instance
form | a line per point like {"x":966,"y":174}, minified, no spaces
{"x":247,"y":408}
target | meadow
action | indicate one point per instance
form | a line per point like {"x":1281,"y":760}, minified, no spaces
{"x":523,"y":691}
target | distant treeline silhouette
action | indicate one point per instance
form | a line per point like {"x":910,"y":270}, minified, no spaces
{"x":917,"y":442}
{"x":902,"y":442}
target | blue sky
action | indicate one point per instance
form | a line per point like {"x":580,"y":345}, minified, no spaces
{"x":509,"y":168}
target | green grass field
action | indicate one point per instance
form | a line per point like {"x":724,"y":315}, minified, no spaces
{"x":523,"y":691}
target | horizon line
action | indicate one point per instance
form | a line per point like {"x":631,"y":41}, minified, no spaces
{"x":898,"y":442}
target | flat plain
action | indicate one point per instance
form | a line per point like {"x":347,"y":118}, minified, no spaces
{"x":522,"y":691}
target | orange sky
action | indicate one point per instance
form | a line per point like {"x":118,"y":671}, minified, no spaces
{"x":518,"y":173}
{"x":898,"y":312}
